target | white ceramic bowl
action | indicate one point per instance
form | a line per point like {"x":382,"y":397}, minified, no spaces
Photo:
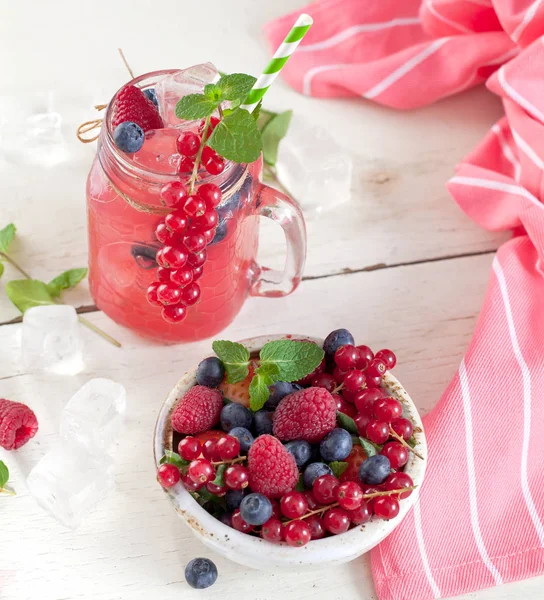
{"x":255,"y":552}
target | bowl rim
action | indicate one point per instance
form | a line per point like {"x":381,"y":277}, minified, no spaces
{"x":207,"y":526}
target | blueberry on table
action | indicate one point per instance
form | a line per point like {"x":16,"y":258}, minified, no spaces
{"x":210,"y":372}
{"x":375,"y":469}
{"x":201,"y":573}
{"x":128,"y":137}
{"x":235,"y":415}
{"x":313,"y":471}
{"x":150,"y":94}
{"x":233,"y":498}
{"x":263,"y":422}
{"x":256,"y":509}
{"x":301,"y":451}
{"x":278,"y":391}
{"x":336,"y":445}
{"x":244,"y":436}
{"x":335,"y":339}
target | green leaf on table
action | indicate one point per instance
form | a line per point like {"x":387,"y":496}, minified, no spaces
{"x":26,"y":293}
{"x":338,"y":467}
{"x":220,"y":475}
{"x":4,"y":474}
{"x":346,"y":422}
{"x":6,"y":237}
{"x":213,"y":92}
{"x":173,"y":459}
{"x":65,"y":281}
{"x":1,"y":269}
{"x":265,"y":376}
{"x":237,"y":137}
{"x":236,"y":86}
{"x":369,"y":448}
{"x":235,"y":359}
{"x":294,"y":359}
{"x":195,"y":106}
{"x":273,"y":133}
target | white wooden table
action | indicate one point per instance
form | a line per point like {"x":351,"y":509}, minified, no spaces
{"x":400,"y":266}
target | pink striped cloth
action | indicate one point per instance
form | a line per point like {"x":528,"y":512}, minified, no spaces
{"x":479,"y":518}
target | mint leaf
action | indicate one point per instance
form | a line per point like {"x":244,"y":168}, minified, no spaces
{"x":235,"y":359}
{"x":257,"y":113}
{"x":265,"y":376}
{"x":203,"y":497}
{"x":346,"y":422}
{"x":295,"y":360}
{"x":213,"y":92}
{"x":4,"y":474}
{"x":6,"y":237}
{"x":273,"y":133}
{"x":236,"y":86}
{"x":195,"y":106}
{"x":264,"y":117}
{"x":26,"y":293}
{"x":368,"y":447}
{"x":1,"y":269}
{"x":237,"y":137}
{"x":220,"y":475}
{"x":173,"y":459}
{"x":338,"y":467}
{"x":66,"y":280}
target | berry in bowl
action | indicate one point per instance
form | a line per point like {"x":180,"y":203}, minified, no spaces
{"x":290,"y":450}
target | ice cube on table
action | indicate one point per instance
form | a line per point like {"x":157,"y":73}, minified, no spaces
{"x":51,"y":339}
{"x":69,"y":482}
{"x":94,"y":415}
{"x":172,"y":87}
{"x":313,"y":167}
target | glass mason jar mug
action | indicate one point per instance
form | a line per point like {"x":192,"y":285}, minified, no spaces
{"x":124,"y":209}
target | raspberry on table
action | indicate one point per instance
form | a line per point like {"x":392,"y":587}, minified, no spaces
{"x":305,"y":415}
{"x":272,"y":469}
{"x":18,"y":424}
{"x":198,"y":410}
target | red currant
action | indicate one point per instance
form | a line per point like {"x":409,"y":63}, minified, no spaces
{"x":360,"y":515}
{"x":336,"y":520}
{"x":365,"y":356}
{"x":174,"y":314}
{"x":173,"y":194}
{"x":216,"y":490}
{"x":310,"y":499}
{"x":194,"y":206}
{"x":197,"y":259}
{"x":181,"y":277}
{"x":276,"y":511}
{"x":207,"y":221}
{"x":317,"y":529}
{"x":210,"y":451}
{"x":163,"y":275}
{"x":362,"y":420}
{"x":387,"y":409}
{"x":208,"y":154}
{"x":377,"y":432}
{"x":344,"y":407}
{"x":163,"y":234}
{"x":402,"y":427}
{"x":195,"y":242}
{"x":188,"y":143}
{"x":364,"y":400}
{"x":214,"y":122}
{"x":201,"y":471}
{"x":176,"y":221}
{"x":151,"y":294}
{"x":239,"y":524}
{"x":339,"y":375}
{"x":190,"y":294}
{"x":237,"y":477}
{"x":349,"y":495}
{"x":189,"y":448}
{"x":272,"y":530}
{"x":197,"y":272}
{"x":346,"y":357}
{"x":297,"y":533}
{"x":373,"y":381}
{"x":371,"y":490}
{"x":388,"y":357}
{"x":228,"y":447}
{"x":189,"y":484}
{"x":354,"y":380}
{"x":324,"y":380}
{"x":215,"y":166}
{"x":348,"y":395}
{"x":168,"y":293}
{"x":168,"y":475}
{"x":397,"y":481}
{"x":211,"y":194}
{"x":293,"y":505}
{"x":186,"y":165}
{"x":324,"y":489}
{"x":171,"y":257}
{"x":386,"y":507}
{"x":377,"y":368}
{"x":396,"y":453}
{"x":209,"y":235}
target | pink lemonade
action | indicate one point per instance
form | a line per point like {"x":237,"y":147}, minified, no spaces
{"x":124,"y":209}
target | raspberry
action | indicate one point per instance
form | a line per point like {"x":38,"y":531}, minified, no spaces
{"x":198,"y":410}
{"x":18,"y":424}
{"x":305,"y":415}
{"x":131,"y":104}
{"x":272,"y":469}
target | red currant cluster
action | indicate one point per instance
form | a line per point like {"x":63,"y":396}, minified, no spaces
{"x":188,"y":144}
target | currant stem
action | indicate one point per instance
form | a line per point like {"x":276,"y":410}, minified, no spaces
{"x":230,"y":462}
{"x":198,"y":157}
{"x":402,"y":441}
{"x":338,"y":389}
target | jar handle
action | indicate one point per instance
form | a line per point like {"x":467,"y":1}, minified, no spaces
{"x":282,"y":210}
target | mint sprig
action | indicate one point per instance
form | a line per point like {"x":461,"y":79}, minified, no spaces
{"x":237,"y":137}
{"x":174,"y":459}
{"x":346,"y":422}
{"x":235,"y":359}
{"x":338,"y":467}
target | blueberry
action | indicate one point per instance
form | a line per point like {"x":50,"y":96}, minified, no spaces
{"x":151,"y":95}
{"x":235,"y":415}
{"x":263,"y":422}
{"x":245,"y":437}
{"x":313,"y":471}
{"x":301,"y":451}
{"x":336,"y":445}
{"x":233,"y":498}
{"x":335,"y":339}
{"x":128,"y":137}
{"x":278,"y":391}
{"x":256,"y":509}
{"x":201,"y":573}
{"x":375,"y":469}
{"x":226,"y":518}
{"x":210,"y":372}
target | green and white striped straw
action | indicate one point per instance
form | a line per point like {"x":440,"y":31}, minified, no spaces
{"x":287,"y":47}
